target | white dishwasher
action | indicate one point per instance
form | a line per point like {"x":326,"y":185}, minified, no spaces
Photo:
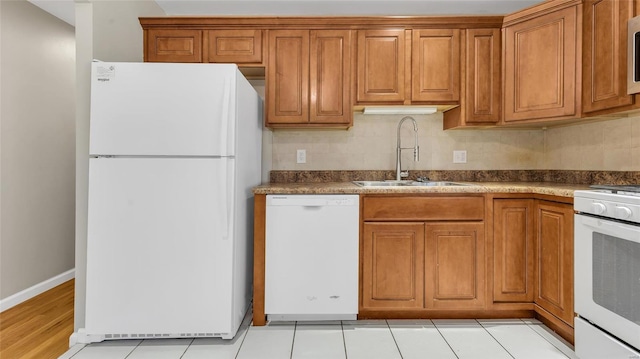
{"x":311,"y":257}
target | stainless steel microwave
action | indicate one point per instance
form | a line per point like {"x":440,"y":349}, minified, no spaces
{"x":633,"y":56}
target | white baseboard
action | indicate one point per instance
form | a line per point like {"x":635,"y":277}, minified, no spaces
{"x":13,"y":300}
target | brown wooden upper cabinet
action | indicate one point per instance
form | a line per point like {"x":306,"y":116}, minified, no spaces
{"x":399,"y":66}
{"x":604,"y":71}
{"x":542,"y":62}
{"x":242,"y":47}
{"x":308,"y":78}
{"x":381,"y":66}
{"x":480,"y":81}
{"x":173,"y":45}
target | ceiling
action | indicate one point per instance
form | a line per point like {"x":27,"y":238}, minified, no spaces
{"x":65,"y":9}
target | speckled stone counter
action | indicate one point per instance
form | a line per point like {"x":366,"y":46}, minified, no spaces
{"x":555,"y":176}
{"x":545,"y":188}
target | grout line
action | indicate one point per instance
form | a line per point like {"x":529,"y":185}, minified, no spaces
{"x":293,"y":341}
{"x":76,"y":353}
{"x":134,"y":349}
{"x":244,"y":337}
{"x":494,"y":338}
{"x":394,"y":338}
{"x":344,"y":341}
{"x":247,"y":320}
{"x":444,"y":338}
{"x":543,"y":337}
{"x":188,"y":346}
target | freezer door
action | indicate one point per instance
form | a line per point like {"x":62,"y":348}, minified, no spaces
{"x":162,"y":109}
{"x":159,"y":248}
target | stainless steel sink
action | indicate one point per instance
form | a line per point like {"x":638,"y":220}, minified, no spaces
{"x":392,"y":183}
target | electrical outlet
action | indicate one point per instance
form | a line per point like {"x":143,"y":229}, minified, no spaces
{"x":460,"y":156}
{"x":301,"y":156}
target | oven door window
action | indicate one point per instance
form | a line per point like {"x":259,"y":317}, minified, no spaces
{"x":616,"y":275}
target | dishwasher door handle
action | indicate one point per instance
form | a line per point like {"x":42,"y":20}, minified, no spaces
{"x":311,"y":207}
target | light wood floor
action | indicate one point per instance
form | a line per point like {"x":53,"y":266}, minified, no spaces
{"x":40,"y":327}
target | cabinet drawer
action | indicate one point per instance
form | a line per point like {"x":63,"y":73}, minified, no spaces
{"x":423,"y":208}
{"x":235,"y":46}
{"x":174,"y":45}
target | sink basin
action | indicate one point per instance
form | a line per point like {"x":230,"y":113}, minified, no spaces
{"x":392,"y":183}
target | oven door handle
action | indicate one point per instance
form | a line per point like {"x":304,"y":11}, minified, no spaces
{"x":622,"y":230}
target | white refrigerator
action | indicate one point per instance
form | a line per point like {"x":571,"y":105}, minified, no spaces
{"x":174,"y":152}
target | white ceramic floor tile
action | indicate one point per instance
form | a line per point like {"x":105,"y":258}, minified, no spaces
{"x":161,"y":349}
{"x":206,"y":348}
{"x":72,"y":351}
{"x":366,"y":339}
{"x":469,"y":340}
{"x":273,"y":341}
{"x":112,"y":349}
{"x":318,"y":341}
{"x":419,"y":338}
{"x":520,"y":340}
{"x":553,"y":338}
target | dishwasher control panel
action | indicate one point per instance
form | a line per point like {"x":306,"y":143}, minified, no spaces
{"x":312,"y":200}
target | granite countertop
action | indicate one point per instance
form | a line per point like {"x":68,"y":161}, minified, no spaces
{"x":546,"y":188}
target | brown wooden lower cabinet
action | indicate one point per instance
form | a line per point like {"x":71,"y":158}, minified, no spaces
{"x":513,"y":250}
{"x":416,"y":264}
{"x":533,"y":259}
{"x":554,"y":259}
{"x":423,"y":265}
{"x":455,"y":265}
{"x":392,"y":265}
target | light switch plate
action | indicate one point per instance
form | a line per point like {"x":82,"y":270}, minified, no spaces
{"x":460,"y":156}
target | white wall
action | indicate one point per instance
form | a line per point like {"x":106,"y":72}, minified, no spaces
{"x":37,"y":146}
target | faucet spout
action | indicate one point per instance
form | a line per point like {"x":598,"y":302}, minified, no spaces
{"x":416,"y":149}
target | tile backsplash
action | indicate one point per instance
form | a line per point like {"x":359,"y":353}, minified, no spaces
{"x":371,"y":145}
{"x":612,"y":145}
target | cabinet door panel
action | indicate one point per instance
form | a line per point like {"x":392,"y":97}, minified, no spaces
{"x":174,"y":45}
{"x":381,"y":61}
{"x":454,"y":265}
{"x":288,"y":77}
{"x":235,"y":46}
{"x":392,"y":265}
{"x":513,"y":250}
{"x":483,"y":76}
{"x":330,"y":73}
{"x":435,"y":65}
{"x":540,"y":67}
{"x":554,"y":259}
{"x":605,"y":54}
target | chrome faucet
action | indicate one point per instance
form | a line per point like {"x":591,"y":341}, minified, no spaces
{"x":416,"y":150}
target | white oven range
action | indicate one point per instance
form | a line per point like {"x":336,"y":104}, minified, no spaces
{"x":607,"y":272}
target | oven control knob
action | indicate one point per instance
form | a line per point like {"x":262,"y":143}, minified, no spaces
{"x":623,"y":212}
{"x":598,"y":208}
